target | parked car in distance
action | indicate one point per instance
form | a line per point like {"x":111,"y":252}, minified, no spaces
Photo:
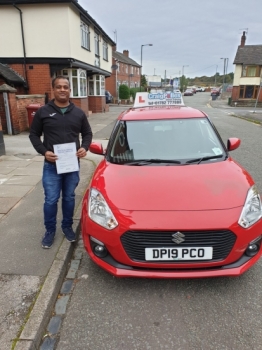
{"x":109,"y":97}
{"x":200,"y":89}
{"x":188,"y":92}
{"x":215,"y":91}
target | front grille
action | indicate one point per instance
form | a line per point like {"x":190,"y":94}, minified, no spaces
{"x":135,"y":242}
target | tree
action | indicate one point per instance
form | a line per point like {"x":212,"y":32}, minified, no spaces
{"x":143,"y":81}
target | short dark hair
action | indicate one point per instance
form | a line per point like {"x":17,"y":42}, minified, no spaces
{"x":59,"y":77}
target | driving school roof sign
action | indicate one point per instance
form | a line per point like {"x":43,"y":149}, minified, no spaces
{"x":165,"y":98}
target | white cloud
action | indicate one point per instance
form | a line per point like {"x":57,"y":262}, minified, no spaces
{"x":193,"y":33}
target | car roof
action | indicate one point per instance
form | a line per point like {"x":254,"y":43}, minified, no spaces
{"x":158,"y":113}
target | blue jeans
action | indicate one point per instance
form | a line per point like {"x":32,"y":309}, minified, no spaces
{"x":53,"y":184}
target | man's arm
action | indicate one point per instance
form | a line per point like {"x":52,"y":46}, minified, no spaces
{"x":36,"y":133}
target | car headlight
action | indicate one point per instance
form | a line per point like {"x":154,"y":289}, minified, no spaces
{"x":99,"y":211}
{"x":251,"y":211}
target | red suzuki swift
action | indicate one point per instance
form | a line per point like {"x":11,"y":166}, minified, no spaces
{"x":167,"y":200}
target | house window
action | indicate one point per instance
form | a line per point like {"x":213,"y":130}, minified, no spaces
{"x":97,"y":44}
{"x":248,"y":91}
{"x":132,"y":70}
{"x":250,"y":71}
{"x":97,"y":85}
{"x":126,"y":68}
{"x":105,"y":51}
{"x":85,"y":36}
{"x":77,"y":79}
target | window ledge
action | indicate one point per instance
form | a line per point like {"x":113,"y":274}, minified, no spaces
{"x":78,"y":97}
{"x":85,"y":48}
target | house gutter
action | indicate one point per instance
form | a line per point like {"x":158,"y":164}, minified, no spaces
{"x":23,"y":39}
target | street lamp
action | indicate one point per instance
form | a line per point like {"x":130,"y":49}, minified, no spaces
{"x":141,"y":62}
{"x":182,"y":76}
{"x":115,"y":67}
{"x":216,"y":76}
{"x":225,"y":70}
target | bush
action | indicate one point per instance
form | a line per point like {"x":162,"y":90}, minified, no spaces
{"x":133,"y":91}
{"x":124,"y":92}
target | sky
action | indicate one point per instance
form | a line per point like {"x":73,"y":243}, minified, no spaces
{"x":188,"y":36}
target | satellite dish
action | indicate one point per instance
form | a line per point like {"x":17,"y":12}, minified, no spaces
{"x":115,"y":66}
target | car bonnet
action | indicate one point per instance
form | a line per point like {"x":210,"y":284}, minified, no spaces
{"x":205,"y":186}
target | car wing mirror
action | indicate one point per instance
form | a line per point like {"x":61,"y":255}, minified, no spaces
{"x":96,"y":148}
{"x":233,"y":143}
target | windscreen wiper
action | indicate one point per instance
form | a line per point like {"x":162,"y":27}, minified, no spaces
{"x":141,"y":162}
{"x":199,"y":160}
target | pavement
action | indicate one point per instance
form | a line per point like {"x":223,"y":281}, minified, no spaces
{"x":31,"y":277}
{"x":249,"y":113}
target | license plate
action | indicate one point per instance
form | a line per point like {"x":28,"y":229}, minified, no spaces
{"x":179,"y":253}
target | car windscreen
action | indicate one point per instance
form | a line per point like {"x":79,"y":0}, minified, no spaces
{"x":167,"y":139}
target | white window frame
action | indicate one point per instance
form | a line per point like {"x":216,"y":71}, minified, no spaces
{"x":85,"y":35}
{"x":105,"y":50}
{"x":96,"y":44}
{"x":96,"y":85}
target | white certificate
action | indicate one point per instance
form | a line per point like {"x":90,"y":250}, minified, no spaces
{"x":67,"y":161}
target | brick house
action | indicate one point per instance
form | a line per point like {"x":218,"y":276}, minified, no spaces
{"x":43,"y":39}
{"x":247,"y":76}
{"x":127,"y":72}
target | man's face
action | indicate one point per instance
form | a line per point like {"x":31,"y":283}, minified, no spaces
{"x":62,"y":90}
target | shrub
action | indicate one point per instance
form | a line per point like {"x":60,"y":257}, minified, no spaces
{"x":133,"y":91}
{"x":124,"y":92}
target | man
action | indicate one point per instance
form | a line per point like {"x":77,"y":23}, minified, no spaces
{"x":61,"y":122}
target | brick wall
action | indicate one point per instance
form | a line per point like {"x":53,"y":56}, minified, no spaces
{"x":97,"y":104}
{"x":22,"y":102}
{"x":38,"y":77}
{"x":18,"y":111}
{"x":235,"y":93}
{"x":81,"y":103}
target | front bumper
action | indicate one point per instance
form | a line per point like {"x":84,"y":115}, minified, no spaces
{"x":120,"y":270}
{"x":118,"y":263}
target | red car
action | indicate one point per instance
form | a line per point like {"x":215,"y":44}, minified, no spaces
{"x":167,"y":200}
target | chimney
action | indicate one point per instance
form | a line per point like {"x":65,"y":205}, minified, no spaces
{"x":243,"y":39}
{"x":126,"y":53}
{"x":114,"y":48}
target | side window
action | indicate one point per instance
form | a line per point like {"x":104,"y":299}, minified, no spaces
{"x":120,"y":150}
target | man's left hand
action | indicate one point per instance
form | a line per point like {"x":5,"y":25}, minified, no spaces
{"x":81,"y":153}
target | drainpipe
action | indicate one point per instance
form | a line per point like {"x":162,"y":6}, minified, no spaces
{"x":23,"y":39}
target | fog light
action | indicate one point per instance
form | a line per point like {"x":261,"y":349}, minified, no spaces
{"x":252,"y":249}
{"x":100,"y":251}
{"x":98,"y":247}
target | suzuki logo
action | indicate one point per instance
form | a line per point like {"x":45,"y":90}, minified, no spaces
{"x":178,"y":237}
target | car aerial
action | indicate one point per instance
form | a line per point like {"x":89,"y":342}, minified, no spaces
{"x":109,"y":97}
{"x":167,"y":200}
{"x":188,"y":92}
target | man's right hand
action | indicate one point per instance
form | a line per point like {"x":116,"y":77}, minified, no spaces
{"x":50,"y":156}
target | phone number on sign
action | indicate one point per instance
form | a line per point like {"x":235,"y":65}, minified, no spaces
{"x":169,"y":102}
